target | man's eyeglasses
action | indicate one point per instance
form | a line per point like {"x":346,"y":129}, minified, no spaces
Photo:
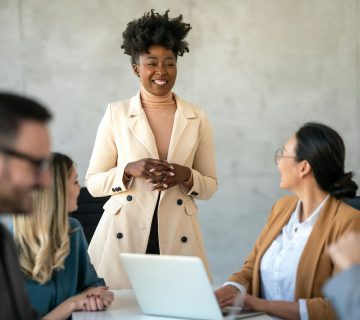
{"x":279,"y":154}
{"x":40,"y":164}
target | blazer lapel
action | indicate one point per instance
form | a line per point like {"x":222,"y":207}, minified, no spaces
{"x":140,"y":128}
{"x":183,"y":117}
{"x":313,"y":249}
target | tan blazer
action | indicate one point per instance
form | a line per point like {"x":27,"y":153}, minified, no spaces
{"x":315,"y":266}
{"x":124,"y":135}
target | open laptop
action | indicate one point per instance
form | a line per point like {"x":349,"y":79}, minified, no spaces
{"x":172,"y":286}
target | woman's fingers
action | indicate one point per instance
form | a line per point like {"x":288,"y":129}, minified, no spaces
{"x":160,"y":171}
{"x":227,"y":302}
{"x":92,"y":303}
{"x":99,"y":302}
{"x":96,"y":299}
{"x":108,"y":297}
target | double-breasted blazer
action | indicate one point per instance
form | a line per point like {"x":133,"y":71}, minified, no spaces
{"x":124,"y":136}
{"x":315,"y":265}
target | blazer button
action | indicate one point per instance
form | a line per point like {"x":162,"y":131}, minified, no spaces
{"x":194,"y":193}
{"x":119,"y":235}
{"x":129,"y":198}
{"x":113,"y":189}
{"x":179,"y":202}
{"x":117,"y":189}
{"x":183,"y":239}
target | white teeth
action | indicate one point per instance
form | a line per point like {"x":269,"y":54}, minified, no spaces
{"x":160,"y":82}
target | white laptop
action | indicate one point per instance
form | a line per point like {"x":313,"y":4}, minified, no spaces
{"x":173,"y":286}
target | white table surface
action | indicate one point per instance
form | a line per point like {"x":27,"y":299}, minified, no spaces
{"x":126,"y":307}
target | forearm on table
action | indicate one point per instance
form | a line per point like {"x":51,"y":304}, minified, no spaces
{"x":282,"y":309}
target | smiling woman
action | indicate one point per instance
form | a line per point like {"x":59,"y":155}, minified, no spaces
{"x":157,"y":70}
{"x":284,"y":273}
{"x":153,"y":154}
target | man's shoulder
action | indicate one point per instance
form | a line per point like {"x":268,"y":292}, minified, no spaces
{"x":6,"y":238}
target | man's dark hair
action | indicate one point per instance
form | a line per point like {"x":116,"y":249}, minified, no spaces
{"x":155,"y":29}
{"x":14,"y":109}
{"x":324,"y":149}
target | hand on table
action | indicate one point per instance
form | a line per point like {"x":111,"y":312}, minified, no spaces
{"x":93,"y":299}
{"x":254,"y":303}
{"x":230,"y":296}
{"x":226,"y":295}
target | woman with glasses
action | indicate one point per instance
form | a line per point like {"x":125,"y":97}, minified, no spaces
{"x":284,"y":273}
{"x":53,"y":251}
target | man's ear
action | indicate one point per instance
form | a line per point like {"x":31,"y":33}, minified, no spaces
{"x":135,"y":68}
{"x":305,"y":168}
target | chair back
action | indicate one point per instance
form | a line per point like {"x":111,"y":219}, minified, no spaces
{"x":89,"y":212}
{"x":353,"y":202}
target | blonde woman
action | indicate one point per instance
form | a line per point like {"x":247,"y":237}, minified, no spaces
{"x":60,"y":278}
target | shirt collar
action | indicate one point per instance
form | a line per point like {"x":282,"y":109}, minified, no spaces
{"x":312,"y":218}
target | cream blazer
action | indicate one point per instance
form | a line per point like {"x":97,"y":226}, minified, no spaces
{"x":124,"y":136}
{"x":315,"y":266}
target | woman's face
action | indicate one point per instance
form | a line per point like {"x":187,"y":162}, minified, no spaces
{"x":157,"y":70}
{"x":73,"y":190}
{"x":288,"y":167}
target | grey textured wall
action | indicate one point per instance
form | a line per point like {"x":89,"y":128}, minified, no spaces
{"x":259,"y":68}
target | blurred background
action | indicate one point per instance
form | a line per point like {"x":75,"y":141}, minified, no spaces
{"x":259,"y":68}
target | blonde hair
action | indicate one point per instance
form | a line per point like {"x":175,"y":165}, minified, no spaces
{"x":42,"y":237}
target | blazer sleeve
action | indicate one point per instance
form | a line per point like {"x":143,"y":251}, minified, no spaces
{"x":343,"y":291}
{"x":204,"y":165}
{"x":320,"y":308}
{"x":104,"y":176}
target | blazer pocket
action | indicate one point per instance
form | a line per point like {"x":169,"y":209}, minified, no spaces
{"x":112,"y":207}
{"x":190,"y":208}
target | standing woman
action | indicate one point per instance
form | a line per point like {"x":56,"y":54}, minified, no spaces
{"x":60,"y":278}
{"x":153,"y":154}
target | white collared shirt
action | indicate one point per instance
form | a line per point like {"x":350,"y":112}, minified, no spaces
{"x":278,"y":267}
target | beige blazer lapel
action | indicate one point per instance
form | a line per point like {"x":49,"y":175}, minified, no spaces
{"x":184,"y":116}
{"x":140,"y":128}
{"x":313,"y":249}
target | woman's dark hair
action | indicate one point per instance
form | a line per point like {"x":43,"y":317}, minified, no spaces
{"x":155,"y":29}
{"x":324,"y":149}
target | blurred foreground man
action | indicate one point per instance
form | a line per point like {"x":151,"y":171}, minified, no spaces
{"x":24,"y":167}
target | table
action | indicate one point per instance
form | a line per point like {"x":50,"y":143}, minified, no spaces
{"x":125,"y":307}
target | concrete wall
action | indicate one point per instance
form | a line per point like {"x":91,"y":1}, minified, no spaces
{"x":260,"y":69}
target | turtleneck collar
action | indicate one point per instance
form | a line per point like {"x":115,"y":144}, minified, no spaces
{"x":150,"y":100}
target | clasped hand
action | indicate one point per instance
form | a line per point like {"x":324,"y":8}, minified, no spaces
{"x":93,"y":299}
{"x":159,"y":174}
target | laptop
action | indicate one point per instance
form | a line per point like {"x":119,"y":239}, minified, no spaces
{"x":172,"y":286}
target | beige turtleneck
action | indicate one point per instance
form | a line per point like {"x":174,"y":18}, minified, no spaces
{"x":160,"y":112}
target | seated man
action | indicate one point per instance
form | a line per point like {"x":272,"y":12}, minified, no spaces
{"x":24,"y":159}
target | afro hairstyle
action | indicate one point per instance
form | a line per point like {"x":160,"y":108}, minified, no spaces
{"x":155,"y":29}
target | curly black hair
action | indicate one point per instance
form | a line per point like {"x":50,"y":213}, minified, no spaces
{"x":155,"y":29}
